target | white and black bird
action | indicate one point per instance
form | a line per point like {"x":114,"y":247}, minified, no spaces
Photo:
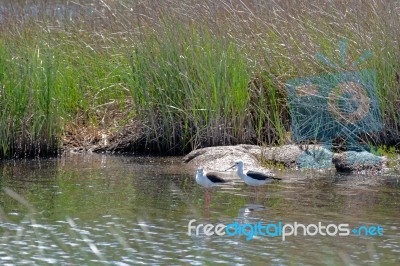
{"x":208,"y":180}
{"x":252,"y":178}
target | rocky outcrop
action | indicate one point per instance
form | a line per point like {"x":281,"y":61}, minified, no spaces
{"x":315,"y":158}
{"x":293,"y":156}
{"x":222,"y":157}
{"x":352,"y":161}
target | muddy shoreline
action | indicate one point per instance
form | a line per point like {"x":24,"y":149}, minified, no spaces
{"x":131,"y":141}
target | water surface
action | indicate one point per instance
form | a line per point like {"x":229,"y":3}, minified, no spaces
{"x":115,"y":210}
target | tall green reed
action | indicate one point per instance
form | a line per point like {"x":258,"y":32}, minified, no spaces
{"x":29,"y":123}
{"x":194,"y":75}
{"x":191,"y":93}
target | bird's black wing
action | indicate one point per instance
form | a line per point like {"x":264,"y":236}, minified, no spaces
{"x":260,"y":176}
{"x":214,"y":178}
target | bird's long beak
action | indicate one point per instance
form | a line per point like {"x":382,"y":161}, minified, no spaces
{"x":230,"y":167}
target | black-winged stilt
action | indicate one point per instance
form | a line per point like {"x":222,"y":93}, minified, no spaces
{"x":207,"y":180}
{"x":252,"y":178}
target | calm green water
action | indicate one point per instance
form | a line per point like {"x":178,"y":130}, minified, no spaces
{"x":109,"y":210}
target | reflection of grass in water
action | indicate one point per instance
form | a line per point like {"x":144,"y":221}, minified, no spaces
{"x":87,"y":248}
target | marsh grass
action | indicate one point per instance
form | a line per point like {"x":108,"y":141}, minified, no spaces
{"x":194,"y":74}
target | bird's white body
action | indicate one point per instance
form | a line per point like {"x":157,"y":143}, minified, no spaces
{"x":203,"y":180}
{"x":252,"y":182}
{"x":248,"y":179}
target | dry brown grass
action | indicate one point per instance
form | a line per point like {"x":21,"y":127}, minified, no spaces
{"x":97,"y":43}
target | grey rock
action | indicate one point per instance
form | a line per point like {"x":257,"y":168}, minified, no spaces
{"x":316,"y":158}
{"x":352,"y":161}
{"x":294,"y":156}
{"x":219,"y":158}
{"x":250,"y":154}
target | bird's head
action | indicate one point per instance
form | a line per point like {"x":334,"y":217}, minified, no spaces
{"x":200,"y":170}
{"x":238,"y":163}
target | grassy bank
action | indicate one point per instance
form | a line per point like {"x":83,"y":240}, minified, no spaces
{"x":173,"y":76}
